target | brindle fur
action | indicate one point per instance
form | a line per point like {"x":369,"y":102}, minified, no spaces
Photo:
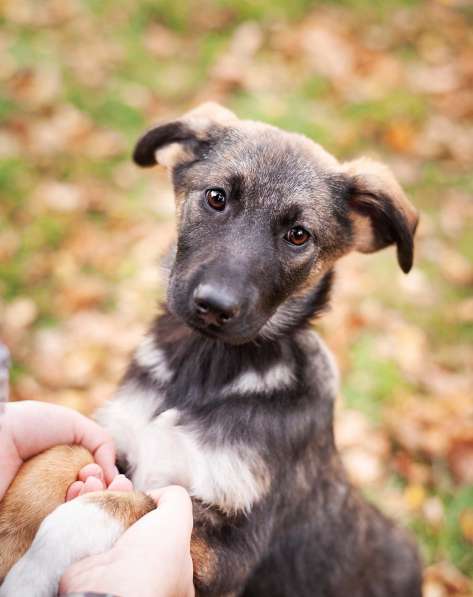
{"x":310,"y":534}
{"x":302,"y":530}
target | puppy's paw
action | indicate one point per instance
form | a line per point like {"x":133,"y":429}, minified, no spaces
{"x":87,"y":525}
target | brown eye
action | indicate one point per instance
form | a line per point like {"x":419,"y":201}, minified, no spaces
{"x":297,"y":236}
{"x":216,"y":198}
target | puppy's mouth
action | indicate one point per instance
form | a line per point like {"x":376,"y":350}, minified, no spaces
{"x":222,"y":333}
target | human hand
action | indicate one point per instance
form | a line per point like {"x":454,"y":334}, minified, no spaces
{"x":151,"y":559}
{"x":28,"y":428}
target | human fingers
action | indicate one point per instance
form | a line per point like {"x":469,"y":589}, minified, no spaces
{"x":166,"y":533}
{"x":90,"y":470}
{"x":89,"y":434}
{"x":82,"y":487}
{"x":77,"y":488}
{"x":172,"y":519}
{"x":74,"y":490}
{"x":92,"y":484}
{"x":37,"y":426}
{"x":174,"y":502}
{"x":121,"y":483}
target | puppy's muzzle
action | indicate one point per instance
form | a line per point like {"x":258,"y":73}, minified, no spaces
{"x":214,"y":305}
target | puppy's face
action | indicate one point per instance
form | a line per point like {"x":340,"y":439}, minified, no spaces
{"x":262,"y":216}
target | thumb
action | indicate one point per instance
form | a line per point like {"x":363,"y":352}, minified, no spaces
{"x":170,"y":522}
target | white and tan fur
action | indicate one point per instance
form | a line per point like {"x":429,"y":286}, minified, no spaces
{"x":233,"y":479}
{"x":40,"y":535}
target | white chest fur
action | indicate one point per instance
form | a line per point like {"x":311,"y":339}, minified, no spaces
{"x":161,"y":452}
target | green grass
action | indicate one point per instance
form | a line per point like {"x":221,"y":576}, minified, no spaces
{"x":395,"y":104}
{"x":446,"y":542}
{"x":373,"y":381}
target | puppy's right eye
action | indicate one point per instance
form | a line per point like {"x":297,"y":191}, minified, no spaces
{"x":216,"y":198}
{"x":297,"y":236}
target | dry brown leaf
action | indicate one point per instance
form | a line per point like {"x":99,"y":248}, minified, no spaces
{"x":401,"y":136}
{"x":455,"y":267}
{"x":449,"y":577}
{"x":460,"y":457}
{"x":328,"y":53}
{"x":58,"y":196}
{"x":83,"y":292}
{"x":466,"y":524}
{"x":18,"y":315}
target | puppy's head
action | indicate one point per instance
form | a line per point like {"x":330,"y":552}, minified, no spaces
{"x":262,"y":216}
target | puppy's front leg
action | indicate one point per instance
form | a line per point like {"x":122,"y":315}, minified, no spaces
{"x":227,"y":549}
{"x":85,"y":526}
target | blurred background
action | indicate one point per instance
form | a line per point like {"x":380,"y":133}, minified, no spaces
{"x":81,"y":228}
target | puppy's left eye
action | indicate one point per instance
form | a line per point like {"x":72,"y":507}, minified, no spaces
{"x":216,"y":198}
{"x":297,"y":236}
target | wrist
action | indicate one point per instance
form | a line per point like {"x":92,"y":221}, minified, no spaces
{"x":87,"y":594}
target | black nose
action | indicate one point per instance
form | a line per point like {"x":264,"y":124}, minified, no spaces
{"x":214,"y":305}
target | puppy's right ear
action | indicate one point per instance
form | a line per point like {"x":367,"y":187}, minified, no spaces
{"x":179,"y":141}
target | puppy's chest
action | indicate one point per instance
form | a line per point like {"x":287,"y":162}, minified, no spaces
{"x":161,"y":451}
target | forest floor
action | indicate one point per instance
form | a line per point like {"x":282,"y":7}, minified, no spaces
{"x":81,"y":228}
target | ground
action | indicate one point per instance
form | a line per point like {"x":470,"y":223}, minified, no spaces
{"x":81,"y":228}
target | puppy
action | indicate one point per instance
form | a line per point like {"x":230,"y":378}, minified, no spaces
{"x":231,"y":393}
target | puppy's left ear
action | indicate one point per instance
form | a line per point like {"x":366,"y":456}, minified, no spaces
{"x":380,"y":212}
{"x":176,"y":142}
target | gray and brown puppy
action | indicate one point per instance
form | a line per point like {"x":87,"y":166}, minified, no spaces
{"x":231,"y":393}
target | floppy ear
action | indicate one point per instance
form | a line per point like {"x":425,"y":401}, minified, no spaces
{"x":179,"y":141}
{"x":380,"y":211}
